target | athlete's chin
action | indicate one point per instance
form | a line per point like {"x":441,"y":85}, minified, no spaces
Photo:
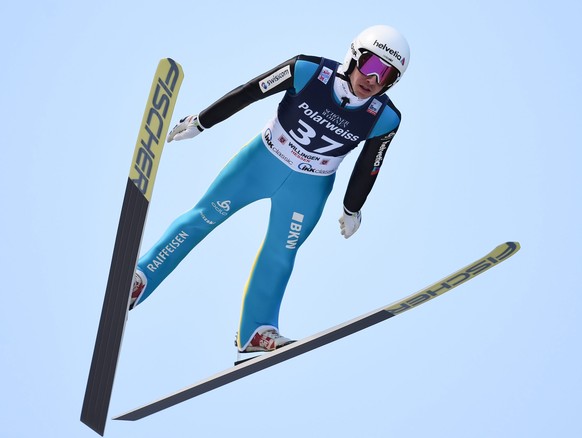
{"x":364,"y":92}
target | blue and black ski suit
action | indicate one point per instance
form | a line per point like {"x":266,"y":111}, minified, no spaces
{"x":292,"y":161}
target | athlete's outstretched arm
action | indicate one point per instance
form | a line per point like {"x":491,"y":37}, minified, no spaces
{"x":280,"y":78}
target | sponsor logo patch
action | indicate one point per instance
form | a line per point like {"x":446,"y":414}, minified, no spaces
{"x":294,"y":230}
{"x":325,"y":74}
{"x":374,"y":107}
{"x":273,"y":80}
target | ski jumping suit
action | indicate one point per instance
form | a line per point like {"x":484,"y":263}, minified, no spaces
{"x":292,"y":162}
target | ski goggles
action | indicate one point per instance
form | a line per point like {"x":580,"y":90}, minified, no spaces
{"x":372,"y":65}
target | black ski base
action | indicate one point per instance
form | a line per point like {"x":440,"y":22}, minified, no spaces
{"x":114,"y":313}
{"x":250,"y":366}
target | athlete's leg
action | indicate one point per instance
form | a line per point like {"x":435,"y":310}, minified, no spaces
{"x":243,"y":180}
{"x":296,"y":209}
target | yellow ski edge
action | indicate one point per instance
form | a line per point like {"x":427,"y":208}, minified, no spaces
{"x":499,"y":254}
{"x":154,"y":126}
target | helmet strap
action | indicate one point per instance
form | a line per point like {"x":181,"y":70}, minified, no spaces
{"x":346,"y":77}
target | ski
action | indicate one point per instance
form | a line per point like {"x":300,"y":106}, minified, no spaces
{"x":499,"y":254}
{"x":138,"y":192}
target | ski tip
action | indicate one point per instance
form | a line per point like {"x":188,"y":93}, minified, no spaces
{"x":503,"y":251}
{"x":509,"y":248}
{"x":172,"y":62}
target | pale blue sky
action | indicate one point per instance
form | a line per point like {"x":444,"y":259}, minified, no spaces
{"x":488,"y":151}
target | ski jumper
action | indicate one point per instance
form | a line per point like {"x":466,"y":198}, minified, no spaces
{"x":292,"y":162}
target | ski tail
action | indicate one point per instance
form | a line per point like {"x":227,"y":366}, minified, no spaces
{"x":148,"y":150}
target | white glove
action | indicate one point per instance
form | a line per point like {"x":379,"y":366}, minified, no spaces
{"x":189,"y":127}
{"x":350,"y":222}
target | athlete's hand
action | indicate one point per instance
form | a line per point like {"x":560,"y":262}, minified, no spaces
{"x":189,"y":127}
{"x":350,"y":222}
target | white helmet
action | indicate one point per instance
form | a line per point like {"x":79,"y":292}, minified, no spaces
{"x":384,"y":42}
